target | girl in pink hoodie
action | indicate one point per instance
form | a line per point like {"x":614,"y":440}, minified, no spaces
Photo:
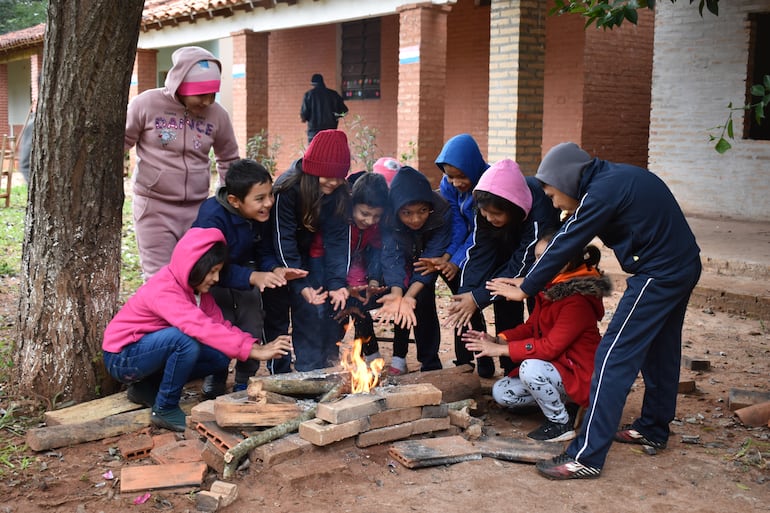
{"x":171,"y":331}
{"x":174,"y":128}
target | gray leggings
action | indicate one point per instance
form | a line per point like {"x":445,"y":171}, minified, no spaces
{"x":538,"y":383}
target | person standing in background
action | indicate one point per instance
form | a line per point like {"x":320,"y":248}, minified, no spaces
{"x":321,"y":107}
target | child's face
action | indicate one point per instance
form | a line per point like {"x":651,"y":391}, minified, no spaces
{"x":257,"y":203}
{"x":197,"y":104}
{"x":495,"y":217}
{"x":366,"y":216}
{"x":414,"y":215}
{"x":540,"y":249}
{"x":329,"y":185}
{"x":560,"y":200}
{"x":211,"y":279}
{"x":457,"y":178}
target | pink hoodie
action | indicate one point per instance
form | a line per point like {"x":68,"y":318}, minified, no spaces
{"x":173,"y":150}
{"x":167,"y":300}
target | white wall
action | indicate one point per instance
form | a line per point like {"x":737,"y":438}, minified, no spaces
{"x":699,"y":67}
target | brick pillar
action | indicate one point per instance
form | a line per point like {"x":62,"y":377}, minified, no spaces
{"x":250,"y":80}
{"x":422,"y":84}
{"x":35,"y":71}
{"x":5,"y":128}
{"x":516,"y":69}
{"x":145,"y":72}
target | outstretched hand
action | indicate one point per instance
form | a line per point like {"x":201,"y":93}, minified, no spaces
{"x":507,"y":288}
{"x":461,"y":309}
{"x":279,"y":347}
{"x":484,"y":344}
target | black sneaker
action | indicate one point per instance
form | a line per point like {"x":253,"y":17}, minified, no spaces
{"x":628,"y":435}
{"x":553,"y":432}
{"x":172,"y":418}
{"x":142,"y":392}
{"x":564,"y":466}
{"x":214,"y":386}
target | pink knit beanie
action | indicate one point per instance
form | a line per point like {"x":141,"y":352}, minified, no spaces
{"x":327,"y":155}
{"x":387,"y":167}
{"x":504,"y":179}
{"x":203,"y":78}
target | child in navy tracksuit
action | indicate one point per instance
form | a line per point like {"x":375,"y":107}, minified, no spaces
{"x":512,"y":213}
{"x":418,"y":226}
{"x":632,"y":211}
{"x":250,"y":288}
{"x":462,"y":165}
{"x":312,"y":197}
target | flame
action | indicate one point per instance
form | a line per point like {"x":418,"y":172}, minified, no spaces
{"x":364,"y":377}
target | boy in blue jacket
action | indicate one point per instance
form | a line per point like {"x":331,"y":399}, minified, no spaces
{"x":632,"y":211}
{"x":253,"y":280}
{"x":419,"y":227}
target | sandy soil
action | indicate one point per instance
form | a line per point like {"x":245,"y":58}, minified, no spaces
{"x":725,"y":470}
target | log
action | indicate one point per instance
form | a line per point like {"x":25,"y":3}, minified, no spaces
{"x":455,"y":383}
{"x":312,"y":383}
{"x":755,"y":415}
{"x":41,"y":439}
{"x":91,"y":410}
{"x":234,"y":454}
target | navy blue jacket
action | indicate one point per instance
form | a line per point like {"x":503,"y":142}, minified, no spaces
{"x":249,"y":243}
{"x":402,"y":246}
{"x":633,"y":212}
{"x":508,"y":251}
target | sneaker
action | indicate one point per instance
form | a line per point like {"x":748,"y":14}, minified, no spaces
{"x":172,"y":419}
{"x":213,"y":386}
{"x":628,"y":435}
{"x":392,"y":371}
{"x":397,"y":366}
{"x":553,"y":432}
{"x":564,"y":466}
{"x":142,"y":392}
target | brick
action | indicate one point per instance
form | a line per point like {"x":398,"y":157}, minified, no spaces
{"x":202,"y":412}
{"x":213,"y":456}
{"x":687,"y":387}
{"x":319,"y":432}
{"x":207,"y":502}
{"x":395,"y":416}
{"x":135,"y":447}
{"x":435,"y":411}
{"x":351,"y":407}
{"x":299,"y":471}
{"x":183,"y":451}
{"x":163,"y":439}
{"x":696,"y":364}
{"x":249,"y":413}
{"x":738,"y":398}
{"x":228,"y":492}
{"x":404,"y":396}
{"x":382,"y":435}
{"x":149,"y":477}
{"x":460,"y":418}
{"x":221,"y":438}
{"x":429,"y":425}
{"x":281,"y":450}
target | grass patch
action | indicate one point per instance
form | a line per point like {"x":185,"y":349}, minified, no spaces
{"x":12,"y":231}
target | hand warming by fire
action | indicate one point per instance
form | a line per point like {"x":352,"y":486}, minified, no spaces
{"x":363,"y":377}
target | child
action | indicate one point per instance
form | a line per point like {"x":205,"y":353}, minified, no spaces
{"x":462,"y":164}
{"x":252,"y":283}
{"x":632,"y":211}
{"x":555,"y":346}
{"x":512,"y":212}
{"x":171,"y":330}
{"x":419,"y":227}
{"x":312,"y":197}
{"x":174,"y":128}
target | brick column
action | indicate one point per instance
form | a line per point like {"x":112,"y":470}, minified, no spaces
{"x":250,"y":81}
{"x":145,"y":74}
{"x":5,"y":128}
{"x":516,"y":69}
{"x":35,"y":71}
{"x":422,"y":84}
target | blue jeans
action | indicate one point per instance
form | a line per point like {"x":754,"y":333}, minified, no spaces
{"x":176,"y":357}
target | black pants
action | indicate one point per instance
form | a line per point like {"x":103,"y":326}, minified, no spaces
{"x":427,"y":332}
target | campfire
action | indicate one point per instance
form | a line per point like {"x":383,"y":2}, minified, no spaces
{"x":363,"y":376}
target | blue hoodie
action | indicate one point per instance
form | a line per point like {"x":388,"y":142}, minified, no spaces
{"x":462,"y":152}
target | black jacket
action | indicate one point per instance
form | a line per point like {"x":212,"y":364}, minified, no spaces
{"x":321,"y":108}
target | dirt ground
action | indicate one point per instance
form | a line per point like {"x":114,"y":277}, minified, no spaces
{"x":724,"y":470}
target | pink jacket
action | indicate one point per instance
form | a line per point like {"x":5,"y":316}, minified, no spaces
{"x":173,"y":150}
{"x":167,"y":300}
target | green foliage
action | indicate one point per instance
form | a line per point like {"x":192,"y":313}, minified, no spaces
{"x":363,"y":142}
{"x":259,"y":148}
{"x":20,"y":14}
{"x":607,"y":14}
{"x":12,"y":230}
{"x":130,"y":268}
{"x":761,"y":91}
{"x":410,"y":154}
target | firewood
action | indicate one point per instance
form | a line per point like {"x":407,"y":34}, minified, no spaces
{"x":295,"y":383}
{"x":41,"y":439}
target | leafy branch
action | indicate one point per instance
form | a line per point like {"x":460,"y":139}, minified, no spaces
{"x":758,"y":91}
{"x":611,"y":13}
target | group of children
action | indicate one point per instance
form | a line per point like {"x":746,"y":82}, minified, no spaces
{"x":318,"y":247}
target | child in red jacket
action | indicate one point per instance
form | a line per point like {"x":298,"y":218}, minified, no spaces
{"x":556,"y":346}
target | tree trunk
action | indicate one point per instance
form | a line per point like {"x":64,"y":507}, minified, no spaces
{"x":71,"y":256}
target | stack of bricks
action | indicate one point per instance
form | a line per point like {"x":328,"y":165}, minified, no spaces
{"x":385,"y":415}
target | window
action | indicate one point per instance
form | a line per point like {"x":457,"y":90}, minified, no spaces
{"x":361,"y":59}
{"x":759,"y":66}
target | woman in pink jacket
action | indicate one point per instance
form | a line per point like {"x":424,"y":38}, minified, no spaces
{"x":174,"y":128}
{"x":171,"y":331}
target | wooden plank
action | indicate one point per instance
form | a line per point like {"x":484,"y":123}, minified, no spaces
{"x":518,"y":449}
{"x":41,"y":439}
{"x":91,"y":410}
{"x":153,"y":477}
{"x":249,"y":413}
{"x":434,"y":451}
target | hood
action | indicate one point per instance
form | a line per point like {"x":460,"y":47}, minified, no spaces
{"x":189,"y":249}
{"x":504,"y":179}
{"x":589,"y":283}
{"x":562,"y":168}
{"x":462,"y":152}
{"x":409,"y":186}
{"x":183,"y":59}
{"x":222,"y":200}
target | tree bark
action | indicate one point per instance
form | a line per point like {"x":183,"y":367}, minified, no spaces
{"x":71,"y":255}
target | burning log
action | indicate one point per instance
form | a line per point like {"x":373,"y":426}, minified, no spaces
{"x":313,"y":383}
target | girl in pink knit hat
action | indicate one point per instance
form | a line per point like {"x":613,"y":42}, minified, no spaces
{"x":311,"y":198}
